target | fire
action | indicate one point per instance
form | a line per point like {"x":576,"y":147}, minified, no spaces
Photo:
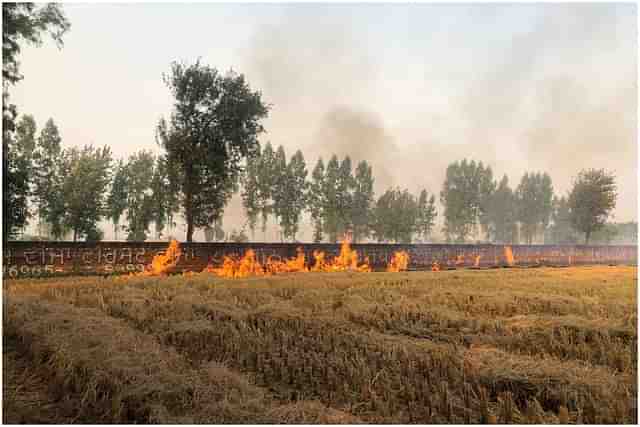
{"x":435,"y":266}
{"x":508,"y":255}
{"x":476,"y":263}
{"x":399,"y":262}
{"x":232,"y":267}
{"x":162,"y":264}
{"x":347,"y":260}
{"x":294,"y":265}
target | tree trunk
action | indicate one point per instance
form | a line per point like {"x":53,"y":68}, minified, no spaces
{"x":189,"y":215}
{"x":587,"y":235}
{"x":75,"y":234}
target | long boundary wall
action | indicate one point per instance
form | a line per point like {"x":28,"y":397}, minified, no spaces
{"x":36,"y":259}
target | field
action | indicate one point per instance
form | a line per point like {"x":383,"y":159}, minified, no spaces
{"x":543,"y":345}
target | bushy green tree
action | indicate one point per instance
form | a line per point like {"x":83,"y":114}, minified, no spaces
{"x":83,"y":189}
{"x":427,"y":214}
{"x":534,"y":198}
{"x":164,"y":195}
{"x":294,"y":199}
{"x":362,"y":201}
{"x":501,"y":214}
{"x":396,"y":216}
{"x":214,"y":126}
{"x":139,"y":194}
{"x":591,"y":200}
{"x":48,"y":177}
{"x":317,"y":200}
{"x":465,"y":194}
{"x":560,"y":230}
{"x":117,"y":199}
{"x":22,"y":23}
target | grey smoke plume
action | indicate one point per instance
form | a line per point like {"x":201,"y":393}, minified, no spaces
{"x":556,"y":97}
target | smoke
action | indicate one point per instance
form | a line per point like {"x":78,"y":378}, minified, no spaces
{"x":557,"y":95}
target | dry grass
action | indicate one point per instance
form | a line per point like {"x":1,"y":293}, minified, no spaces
{"x":511,"y":346}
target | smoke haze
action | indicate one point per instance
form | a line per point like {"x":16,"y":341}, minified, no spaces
{"x":412,"y":88}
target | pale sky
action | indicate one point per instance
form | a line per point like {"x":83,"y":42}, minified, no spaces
{"x":410,"y":88}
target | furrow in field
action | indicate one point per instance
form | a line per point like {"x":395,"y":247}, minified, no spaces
{"x":123,"y":375}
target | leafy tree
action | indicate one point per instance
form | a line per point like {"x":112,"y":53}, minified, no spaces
{"x":164,"y":195}
{"x":251,"y":200}
{"x":279,"y":187}
{"x":214,"y":233}
{"x":427,"y":214}
{"x":330,"y":210}
{"x":15,"y":184}
{"x":47,"y":177}
{"x":344,"y":196}
{"x":316,"y":200}
{"x":117,"y":199}
{"x":266,"y":183}
{"x":139,"y":194}
{"x":238,"y":236}
{"x":534,"y":198}
{"x":396,"y":216}
{"x":21,"y":22}
{"x":86,"y":175}
{"x":24,"y":147}
{"x":362,"y":201}
{"x":561,"y":231}
{"x":214,"y":126}
{"x":501,"y":214}
{"x":293,"y":200}
{"x":465,"y":194}
{"x":591,"y":200}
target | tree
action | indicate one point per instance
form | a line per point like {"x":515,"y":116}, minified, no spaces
{"x":238,"y":236}
{"x":561,"y":231}
{"x":117,"y":199}
{"x":289,"y":191}
{"x":534,"y":198}
{"x":295,"y":195}
{"x":86,"y":175}
{"x":139,"y":194}
{"x":24,"y":147}
{"x":591,"y":200}
{"x":317,"y":202}
{"x":21,"y":22}
{"x":330,"y":210}
{"x":426,"y":215}
{"x":362,"y":201}
{"x":164,"y":195}
{"x":279,"y":187}
{"x":344,"y":197}
{"x":266,"y":183}
{"x":214,"y":233}
{"x":501,"y":214}
{"x":465,"y":194}
{"x":396,"y":216}
{"x":214,"y":126}
{"x":251,"y":200}
{"x":47,"y":178}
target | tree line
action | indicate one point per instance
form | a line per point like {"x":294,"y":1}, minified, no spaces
{"x":210,"y":151}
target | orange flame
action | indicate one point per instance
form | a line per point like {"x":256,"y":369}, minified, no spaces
{"x":476,"y":263}
{"x":347,"y":260}
{"x":163,"y":263}
{"x":232,"y":267}
{"x":294,"y":265}
{"x":399,"y":262}
{"x":508,"y":255}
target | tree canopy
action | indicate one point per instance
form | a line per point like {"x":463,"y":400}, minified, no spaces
{"x":214,"y":125}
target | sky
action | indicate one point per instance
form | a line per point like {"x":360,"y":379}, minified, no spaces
{"x":408,"y":87}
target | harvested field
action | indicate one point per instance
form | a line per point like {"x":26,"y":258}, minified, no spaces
{"x":543,"y":345}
